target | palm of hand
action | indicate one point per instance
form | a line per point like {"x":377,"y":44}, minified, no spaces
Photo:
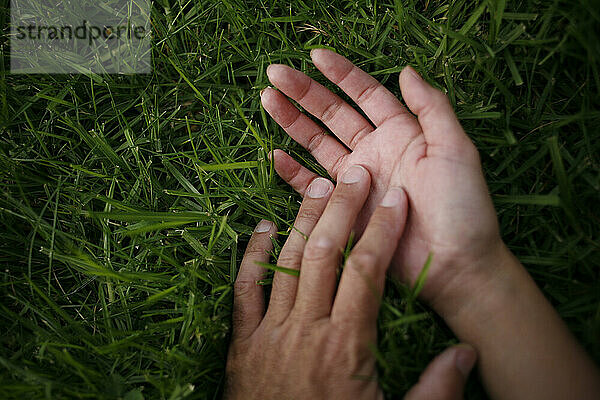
{"x":448,"y":197}
{"x":450,"y":212}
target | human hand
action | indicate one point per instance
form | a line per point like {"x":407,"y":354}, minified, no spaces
{"x":450,"y":213}
{"x":314,"y":341}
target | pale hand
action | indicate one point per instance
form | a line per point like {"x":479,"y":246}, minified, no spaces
{"x":450,"y":210}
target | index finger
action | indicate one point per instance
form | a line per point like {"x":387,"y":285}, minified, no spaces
{"x":372,"y":97}
{"x":361,"y":286}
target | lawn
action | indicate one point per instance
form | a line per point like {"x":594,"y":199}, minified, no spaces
{"x":126,"y":201}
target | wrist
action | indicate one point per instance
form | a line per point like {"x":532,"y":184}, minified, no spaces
{"x":479,"y":286}
{"x":525,"y":351}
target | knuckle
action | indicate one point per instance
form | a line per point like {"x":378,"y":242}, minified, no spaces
{"x":330,"y":111}
{"x":337,"y":165}
{"x":290,"y":120}
{"x":318,"y":249}
{"x":343,"y":196}
{"x":382,"y":222}
{"x":290,"y":257}
{"x":315,"y":141}
{"x":241,"y":288}
{"x":236,"y":354}
{"x":294,"y":172}
{"x":363,"y":261}
{"x":305,"y":90}
{"x":309,"y":213}
{"x":238,"y":319}
{"x":254,"y":251}
{"x":359,"y":135}
{"x":367,"y":92}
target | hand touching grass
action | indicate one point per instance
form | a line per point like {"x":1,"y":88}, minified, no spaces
{"x":430,"y":156}
{"x":475,"y":283}
{"x":315,"y":339}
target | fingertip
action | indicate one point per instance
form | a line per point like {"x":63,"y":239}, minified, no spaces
{"x":319,"y":52}
{"x":279,"y":157}
{"x":272,"y":155}
{"x":264,"y":90}
{"x":464,"y":358}
{"x":277,"y":72}
{"x":389,"y":218}
{"x":446,"y":375}
{"x":435,"y":114}
{"x":275,"y":103}
{"x":284,"y":164}
{"x":270,"y":68}
{"x":355,"y":174}
{"x":395,"y":197}
{"x":414,"y":89}
{"x":265,"y":226}
{"x":266,"y":94}
{"x":410,"y":73}
{"x":333,"y":65}
{"x":278,"y":153}
{"x":319,"y":188}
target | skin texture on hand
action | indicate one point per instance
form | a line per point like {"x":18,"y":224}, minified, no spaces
{"x":314,"y":340}
{"x":474,"y":282}
{"x":430,"y":156}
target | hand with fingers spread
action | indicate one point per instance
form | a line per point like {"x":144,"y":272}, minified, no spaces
{"x":429,"y":155}
{"x":314,"y":340}
{"x":475,"y":283}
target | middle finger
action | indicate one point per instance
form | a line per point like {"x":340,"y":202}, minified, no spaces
{"x":343,"y":120}
{"x":325,"y":245}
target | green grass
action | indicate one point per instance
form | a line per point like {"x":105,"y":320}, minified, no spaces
{"x":126,"y":201}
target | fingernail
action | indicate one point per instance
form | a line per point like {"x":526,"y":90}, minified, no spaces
{"x":319,"y":188}
{"x":262,"y":91}
{"x":354,"y":174}
{"x":414,"y":73}
{"x":465,"y":359}
{"x":263,"y":226}
{"x":392,"y":198}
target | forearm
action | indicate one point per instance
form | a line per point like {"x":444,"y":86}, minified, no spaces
{"x":525,"y":349}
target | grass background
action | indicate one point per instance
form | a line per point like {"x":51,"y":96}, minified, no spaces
{"x":126,"y":201}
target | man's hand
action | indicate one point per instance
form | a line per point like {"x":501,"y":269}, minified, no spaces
{"x":450,"y":213}
{"x":315,"y":339}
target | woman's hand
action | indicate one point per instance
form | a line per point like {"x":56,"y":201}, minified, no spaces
{"x":431,"y":157}
{"x":314,"y":341}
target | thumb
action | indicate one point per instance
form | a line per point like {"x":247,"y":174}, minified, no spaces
{"x":441,"y":128}
{"x":445,"y":377}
